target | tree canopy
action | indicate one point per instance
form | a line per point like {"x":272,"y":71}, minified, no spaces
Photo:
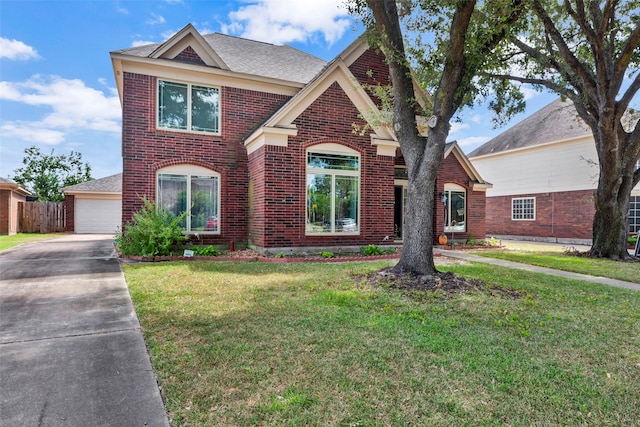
{"x":44,"y":175}
{"x":588,"y":51}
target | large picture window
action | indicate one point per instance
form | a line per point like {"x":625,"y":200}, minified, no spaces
{"x":455,"y":204}
{"x":194,"y":190}
{"x":523,"y":209}
{"x":333,"y":190}
{"x":188,"y":107}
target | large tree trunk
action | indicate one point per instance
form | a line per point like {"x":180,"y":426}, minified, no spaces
{"x":418,"y":238}
{"x":615,"y":183}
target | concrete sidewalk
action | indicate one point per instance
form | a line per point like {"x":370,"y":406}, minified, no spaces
{"x":71,"y":349}
{"x":510,"y":264}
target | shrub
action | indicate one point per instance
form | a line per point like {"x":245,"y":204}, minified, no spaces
{"x":152,"y":232}
{"x":326,"y":254}
{"x":371,"y":250}
{"x":632,"y":240}
{"x":205,"y":251}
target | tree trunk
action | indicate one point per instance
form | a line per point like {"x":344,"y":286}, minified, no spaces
{"x":615,"y":183}
{"x":418,"y":237}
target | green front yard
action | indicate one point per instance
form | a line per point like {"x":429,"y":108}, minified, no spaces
{"x":627,"y":271}
{"x":240,"y":344}
{"x":7,"y":242}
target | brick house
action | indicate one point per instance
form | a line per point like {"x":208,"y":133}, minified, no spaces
{"x":257,"y":143}
{"x":11,"y":197}
{"x":544,"y":172}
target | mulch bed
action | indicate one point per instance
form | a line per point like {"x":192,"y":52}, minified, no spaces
{"x":251,"y":255}
{"x":442,"y":283}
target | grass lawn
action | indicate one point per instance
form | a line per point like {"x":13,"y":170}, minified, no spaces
{"x":7,"y":242}
{"x":239,"y":344}
{"x":627,"y":271}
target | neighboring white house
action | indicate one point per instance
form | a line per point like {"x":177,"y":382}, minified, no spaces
{"x":544,"y":172}
{"x":94,"y":206}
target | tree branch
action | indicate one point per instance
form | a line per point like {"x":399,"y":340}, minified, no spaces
{"x":575,"y":67}
{"x":628,"y":95}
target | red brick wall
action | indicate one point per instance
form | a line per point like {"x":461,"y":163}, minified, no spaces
{"x":190,"y":56}
{"x":5,"y":210}
{"x":452,"y":172}
{"x":146,"y":149}
{"x":563,"y":215}
{"x":279,"y":174}
{"x":69,"y":213}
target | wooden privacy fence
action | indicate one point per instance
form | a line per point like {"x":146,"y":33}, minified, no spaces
{"x":40,"y":217}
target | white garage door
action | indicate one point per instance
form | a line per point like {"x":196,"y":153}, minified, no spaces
{"x":97,"y":216}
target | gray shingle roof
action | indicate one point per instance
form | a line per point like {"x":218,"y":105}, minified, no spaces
{"x":109,"y":184}
{"x":555,"y":122}
{"x":253,"y":57}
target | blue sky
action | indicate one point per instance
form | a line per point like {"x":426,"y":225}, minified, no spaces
{"x":57,"y":89}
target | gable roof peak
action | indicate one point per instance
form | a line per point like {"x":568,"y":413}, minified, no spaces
{"x":188,"y":36}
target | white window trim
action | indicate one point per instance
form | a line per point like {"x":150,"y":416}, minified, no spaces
{"x":332,"y":148}
{"x":513,"y":199}
{"x":448,"y":187}
{"x":188,"y":130}
{"x":189,"y":171}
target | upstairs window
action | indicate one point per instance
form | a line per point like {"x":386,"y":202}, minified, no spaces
{"x":188,"y":107}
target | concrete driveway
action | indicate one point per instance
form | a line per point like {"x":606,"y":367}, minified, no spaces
{"x":71,"y":350}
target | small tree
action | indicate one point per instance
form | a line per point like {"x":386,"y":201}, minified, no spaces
{"x":46,"y":174}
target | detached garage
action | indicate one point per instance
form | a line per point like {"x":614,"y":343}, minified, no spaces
{"x":94,"y":206}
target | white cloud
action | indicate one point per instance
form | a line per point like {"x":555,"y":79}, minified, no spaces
{"x":468,"y":144}
{"x":285,"y":21}
{"x":122,"y":10}
{"x":31,"y":132}
{"x":156,"y":19}
{"x":477,"y":119}
{"x":137,"y":43}
{"x":73,"y":107}
{"x":16,"y":50}
{"x":457,"y":127}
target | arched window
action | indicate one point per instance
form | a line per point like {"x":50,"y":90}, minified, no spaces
{"x":192,"y":189}
{"x":333,"y":190}
{"x":455,"y":207}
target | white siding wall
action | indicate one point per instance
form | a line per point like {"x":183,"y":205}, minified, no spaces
{"x":563,"y":166}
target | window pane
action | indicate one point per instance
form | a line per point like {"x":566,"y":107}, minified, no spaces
{"x":172,"y":105}
{"x":333,"y":161}
{"x":172,"y":194}
{"x":523,"y":208}
{"x":204,"y":109}
{"x":318,"y":203}
{"x":346,"y":203}
{"x":204,"y":203}
{"x":457,"y":214}
{"x":634,"y":214}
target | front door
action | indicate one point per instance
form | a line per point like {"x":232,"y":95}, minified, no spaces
{"x":400,"y":197}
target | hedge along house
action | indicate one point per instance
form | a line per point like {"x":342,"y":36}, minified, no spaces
{"x":257,"y":143}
